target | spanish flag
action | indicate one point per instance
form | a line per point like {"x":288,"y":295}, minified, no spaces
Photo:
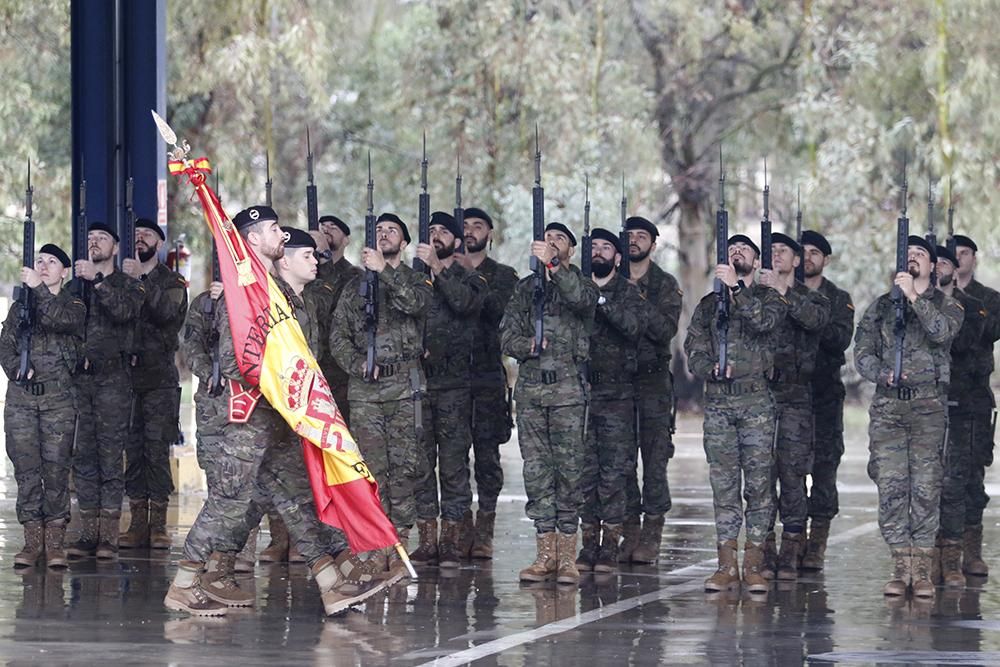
{"x":273,"y":355}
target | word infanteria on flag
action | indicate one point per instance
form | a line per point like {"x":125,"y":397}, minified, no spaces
{"x":273,"y":356}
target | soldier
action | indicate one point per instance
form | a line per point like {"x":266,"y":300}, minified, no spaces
{"x":40,"y":410}
{"x":260,"y":459}
{"x":104,"y":392}
{"x":907,"y":426}
{"x":386,"y":407}
{"x":551,"y":396}
{"x":959,"y":447}
{"x":654,"y":387}
{"x":451,"y":323}
{"x":795,"y":343}
{"x":491,"y":409}
{"x":827,"y":398}
{"x":156,"y":391}
{"x":739,"y":410}
{"x":610,"y":439}
{"x":980,"y":402}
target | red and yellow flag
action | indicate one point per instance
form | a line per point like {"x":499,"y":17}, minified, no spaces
{"x":273,"y":355}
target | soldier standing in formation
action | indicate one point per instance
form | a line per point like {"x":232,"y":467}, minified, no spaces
{"x":156,"y":391}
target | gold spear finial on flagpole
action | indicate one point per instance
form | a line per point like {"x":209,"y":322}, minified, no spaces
{"x":180,"y":151}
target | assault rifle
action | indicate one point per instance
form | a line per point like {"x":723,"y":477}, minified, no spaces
{"x":800,"y":270}
{"x":368,"y":288}
{"x":459,"y":211}
{"x":898,"y":299}
{"x":624,"y":269}
{"x":267,"y":183}
{"x":209,"y":308}
{"x":931,"y":235}
{"x":312,"y":203}
{"x":722,"y":257}
{"x":766,"y":260}
{"x":127,"y":232}
{"x":950,"y":243}
{"x":538,"y":234}
{"x":586,"y":243}
{"x":23,"y":295}
{"x":423,"y":213}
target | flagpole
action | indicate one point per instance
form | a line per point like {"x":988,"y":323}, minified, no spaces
{"x":406,"y":560}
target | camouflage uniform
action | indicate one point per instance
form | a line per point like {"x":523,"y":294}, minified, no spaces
{"x":383,"y":419}
{"x":550,"y":395}
{"x":739,"y":411}
{"x":491,"y":418}
{"x":610,"y":443}
{"x":828,"y":402}
{"x":156,"y":388}
{"x":39,"y":415}
{"x":336,"y":275}
{"x":105,"y":391}
{"x":796,"y":341}
{"x":907,"y":424}
{"x":450,"y":326}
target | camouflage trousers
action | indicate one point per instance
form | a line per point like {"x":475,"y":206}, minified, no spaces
{"x":609,"y":454}
{"x":447,"y":439}
{"x":147,"y":451}
{"x":956,"y":475}
{"x":982,"y":434}
{"x":828,"y":449}
{"x":551,"y":440}
{"x":39,"y":435}
{"x":490,"y":429}
{"x":654,"y":405}
{"x":739,"y":440}
{"x":338,"y":381}
{"x":103,"y":400}
{"x":792,"y":456}
{"x":386,"y":434}
{"x":905,"y":442}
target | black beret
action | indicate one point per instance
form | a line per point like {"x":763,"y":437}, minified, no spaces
{"x":447,"y":220}
{"x":479,"y":213}
{"x":645,"y":225}
{"x":253,"y":215}
{"x":610,"y":237}
{"x":146,"y":223}
{"x":944,"y":253}
{"x":743,"y":238}
{"x":560,"y":227}
{"x":337,"y":221}
{"x":101,"y":227}
{"x":778,"y":237}
{"x":921,"y":242}
{"x":817,"y":240}
{"x":57,"y":252}
{"x":965,"y":242}
{"x":298,"y":238}
{"x":392,"y":217}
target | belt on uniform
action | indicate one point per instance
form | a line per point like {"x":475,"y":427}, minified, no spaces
{"x":39,"y":388}
{"x":436,"y":370}
{"x":546,"y":377}
{"x":781,"y":377}
{"x":388,"y":370}
{"x":907,"y":393}
{"x":651,"y":369}
{"x":104,"y":365}
{"x":733,"y":388}
{"x":602,"y":377}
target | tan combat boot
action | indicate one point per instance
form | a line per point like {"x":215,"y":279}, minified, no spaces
{"x":482,"y":544}
{"x":590,"y":546}
{"x":566,"y":555}
{"x":727,"y":576}
{"x":346,"y":580}
{"x":110,"y":525}
{"x":186,"y":594}
{"x":277,"y":550}
{"x":55,"y":536}
{"x":293,"y":554}
{"x":788,"y":557}
{"x":648,"y":549}
{"x":448,"y":547}
{"x":219,"y":583}
{"x":901,"y":575}
{"x":546,"y":560}
{"x":631,"y":530}
{"x":753,"y":560}
{"x":34,"y":545}
{"x":920,"y":567}
{"x":951,"y":564}
{"x":972,"y":556}
{"x":426,"y":552}
{"x":466,"y":535}
{"x":770,"y":566}
{"x":86,"y":542}
{"x":607,"y":558}
{"x":819,"y":532}
{"x":158,"y":537}
{"x":137,"y":535}
{"x":246,"y":559}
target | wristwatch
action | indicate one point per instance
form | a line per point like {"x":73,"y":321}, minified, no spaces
{"x":738,"y":287}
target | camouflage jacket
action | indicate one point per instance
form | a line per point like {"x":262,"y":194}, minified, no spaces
{"x":487,"y":359}
{"x":663,"y":305}
{"x":983,"y":350}
{"x":619,"y":324}
{"x":55,"y":336}
{"x":552,"y":377}
{"x":155,"y":339}
{"x":114,"y":306}
{"x":451,"y":328}
{"x":404,"y":296}
{"x":796,"y":338}
{"x":932,"y":322}
{"x":754,"y":314}
{"x":337,"y":275}
{"x":324,"y":303}
{"x":964,"y":360}
{"x":200,"y":328}
{"x":834,"y":339}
